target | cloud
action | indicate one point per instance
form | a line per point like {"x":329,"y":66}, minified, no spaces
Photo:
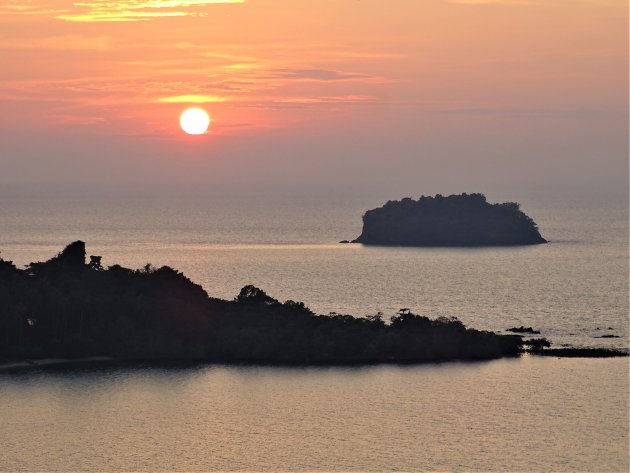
{"x":568,"y":3}
{"x":23,"y":8}
{"x":61,"y":43}
{"x":194,"y":98}
{"x":282,"y":103}
{"x":110,"y":11}
{"x":80,"y":119}
{"x":137,"y":10}
{"x":493,"y":2}
{"x":317,"y":74}
{"x":330,"y":99}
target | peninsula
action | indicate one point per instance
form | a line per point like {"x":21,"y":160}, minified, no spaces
{"x":456,"y":220}
{"x":69,"y":311}
{"x":67,"y":308}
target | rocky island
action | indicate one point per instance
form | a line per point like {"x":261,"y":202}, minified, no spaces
{"x":456,"y":220}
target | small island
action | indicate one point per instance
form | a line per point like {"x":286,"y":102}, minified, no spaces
{"x":456,"y":220}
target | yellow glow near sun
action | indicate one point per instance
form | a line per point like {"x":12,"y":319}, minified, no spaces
{"x":134,"y":10}
{"x":194,"y":121}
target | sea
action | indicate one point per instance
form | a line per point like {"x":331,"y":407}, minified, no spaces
{"x":525,"y":414}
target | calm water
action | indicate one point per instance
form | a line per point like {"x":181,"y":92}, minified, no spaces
{"x":527,"y":414}
{"x":506,"y":415}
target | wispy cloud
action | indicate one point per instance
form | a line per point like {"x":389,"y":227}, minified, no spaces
{"x":24,"y":8}
{"x":62,"y":43}
{"x":317,"y":74}
{"x":137,"y":10}
{"x":539,"y":2}
{"x":79,"y":119}
{"x":194,"y":98}
{"x":330,"y":99}
{"x":493,"y":2}
{"x":110,"y":10}
{"x":296,"y":102}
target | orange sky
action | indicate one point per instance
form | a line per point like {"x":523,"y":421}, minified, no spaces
{"x":489,"y":75}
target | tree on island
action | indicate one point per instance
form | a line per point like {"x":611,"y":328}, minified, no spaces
{"x":537,"y":344}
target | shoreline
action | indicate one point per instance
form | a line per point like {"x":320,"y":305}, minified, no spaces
{"x":27,"y":365}
{"x":583,"y":352}
{"x":20,"y":366}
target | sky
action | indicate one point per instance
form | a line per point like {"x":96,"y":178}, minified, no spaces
{"x":403,"y":96}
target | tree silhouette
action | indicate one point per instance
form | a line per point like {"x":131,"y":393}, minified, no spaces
{"x":95,"y":263}
{"x":64,"y":307}
{"x":537,"y":344}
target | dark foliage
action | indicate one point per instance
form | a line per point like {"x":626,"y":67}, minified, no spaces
{"x":67,"y":308}
{"x":456,"y":220}
{"x":537,"y":344}
{"x":522,"y":329}
{"x":583,"y":352}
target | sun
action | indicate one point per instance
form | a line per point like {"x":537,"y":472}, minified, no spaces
{"x":194,"y":121}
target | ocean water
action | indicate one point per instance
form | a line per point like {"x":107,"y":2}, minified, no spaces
{"x":527,"y":414}
{"x":508,"y":415}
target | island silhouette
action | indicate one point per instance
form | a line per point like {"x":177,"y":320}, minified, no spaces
{"x":455,"y":220}
{"x":67,"y":308}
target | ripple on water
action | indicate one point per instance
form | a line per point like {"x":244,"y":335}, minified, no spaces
{"x":527,"y":414}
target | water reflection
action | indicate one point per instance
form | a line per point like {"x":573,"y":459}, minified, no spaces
{"x":527,"y":414}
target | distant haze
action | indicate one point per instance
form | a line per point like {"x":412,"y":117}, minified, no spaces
{"x":317,"y":97}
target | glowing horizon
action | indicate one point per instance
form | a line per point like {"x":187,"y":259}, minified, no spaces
{"x":495,"y":74}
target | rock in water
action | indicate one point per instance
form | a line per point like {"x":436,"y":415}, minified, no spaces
{"x":456,"y":220}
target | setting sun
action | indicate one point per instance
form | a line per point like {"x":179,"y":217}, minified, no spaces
{"x":194,"y":121}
